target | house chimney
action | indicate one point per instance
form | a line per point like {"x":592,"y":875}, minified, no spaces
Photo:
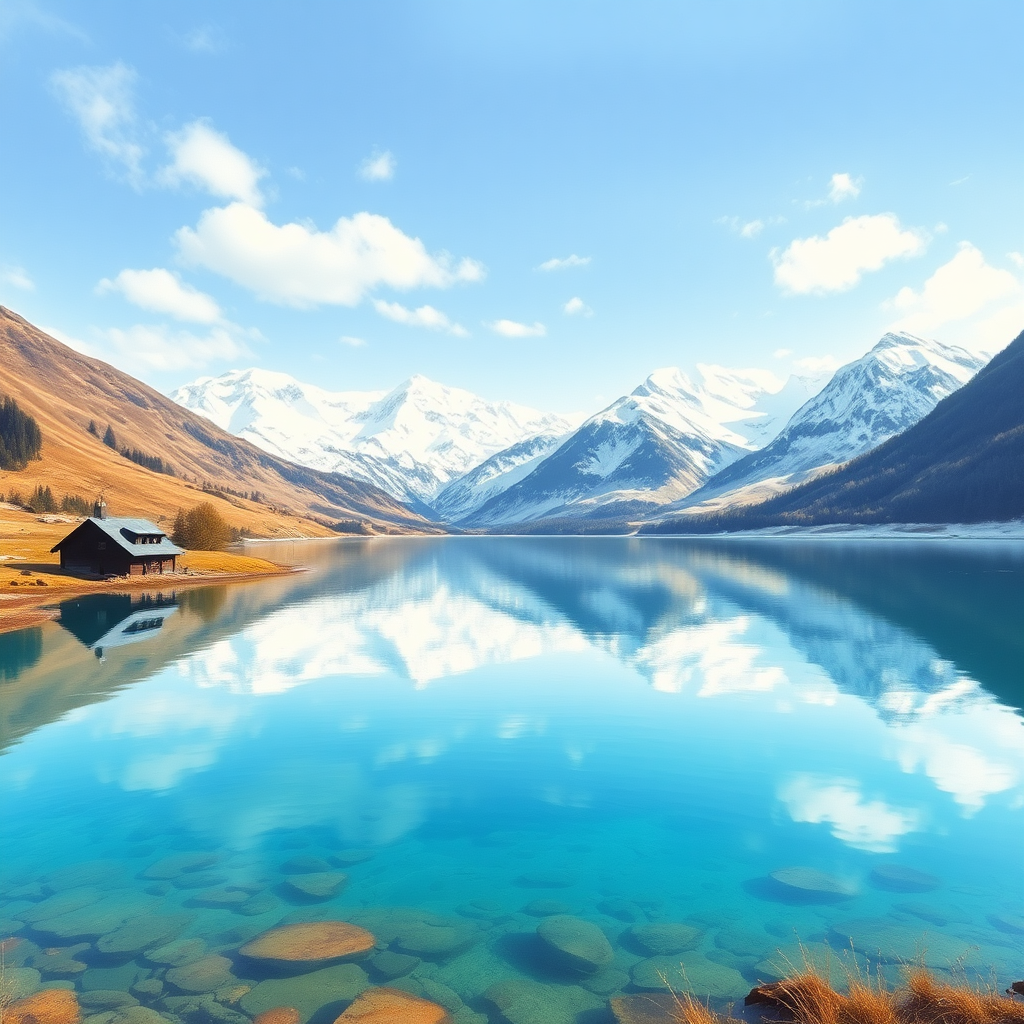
{"x":99,"y":510}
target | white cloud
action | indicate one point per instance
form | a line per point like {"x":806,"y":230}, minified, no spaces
{"x":205,"y":39}
{"x":957,"y":290}
{"x":101,"y":99}
{"x":207,"y":158}
{"x":864,"y":824}
{"x":814,"y":366}
{"x":158,"y":347}
{"x":378,"y":167}
{"x":1017,"y":259}
{"x":836,"y":262}
{"x":782,"y":353}
{"x":424,"y":316}
{"x":352,"y":342}
{"x":577,"y":307}
{"x":160,"y":291}
{"x":70,"y":340}
{"x":565,"y":264}
{"x":297,"y":265}
{"x":513,"y":329}
{"x":842,"y":186}
{"x":17,"y":277}
{"x":752,"y":229}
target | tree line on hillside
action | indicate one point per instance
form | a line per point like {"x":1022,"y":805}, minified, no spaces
{"x":42,"y":499}
{"x":136,"y":455}
{"x":20,"y":437}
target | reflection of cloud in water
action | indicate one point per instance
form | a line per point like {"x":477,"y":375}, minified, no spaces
{"x":969,"y":774}
{"x":865,"y":824}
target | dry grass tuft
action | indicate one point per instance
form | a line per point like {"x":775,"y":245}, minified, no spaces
{"x":807,"y":998}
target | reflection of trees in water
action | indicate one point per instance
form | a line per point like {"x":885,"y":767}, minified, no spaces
{"x":19,"y":651}
{"x":207,"y":602}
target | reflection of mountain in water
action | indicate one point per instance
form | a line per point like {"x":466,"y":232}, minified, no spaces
{"x":889,"y":625}
{"x":105,"y":621}
{"x":686,"y":615}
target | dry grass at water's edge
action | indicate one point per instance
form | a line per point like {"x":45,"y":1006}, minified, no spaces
{"x":807,"y":998}
{"x":25,"y":542}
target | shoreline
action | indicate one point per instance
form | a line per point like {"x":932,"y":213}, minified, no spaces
{"x":24,"y":610}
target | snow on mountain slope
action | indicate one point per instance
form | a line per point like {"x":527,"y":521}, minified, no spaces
{"x":650,"y":447}
{"x":411,"y":441}
{"x":866,"y":402}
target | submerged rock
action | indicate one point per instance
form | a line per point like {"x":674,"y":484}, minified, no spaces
{"x":321,"y":885}
{"x":605,"y":982}
{"x":546,"y":908}
{"x":226,"y":898}
{"x":835,"y":965}
{"x":646,"y":1008}
{"x":694,"y":973}
{"x":205,"y":975}
{"x":310,"y":942}
{"x":521,"y":1001}
{"x":938,"y":915}
{"x":60,"y":904}
{"x":622,"y":910}
{"x":665,"y":938}
{"x":59,"y":963}
{"x":261,"y":903}
{"x":92,"y":872}
{"x":898,"y":878}
{"x":278,"y":1015}
{"x":812,"y":882}
{"x":307,"y":993}
{"x":1012,"y":924}
{"x":304,"y":865}
{"x":96,"y":919}
{"x":177,"y":953}
{"x":107,"y":999}
{"x":891,"y":942}
{"x":436,"y":942}
{"x":178,"y":864}
{"x":141,"y":933}
{"x":389,"y":964}
{"x":51,"y":1006}
{"x":20,"y":982}
{"x":346,"y":858}
{"x":578,"y":944}
{"x":483,"y":910}
{"x":393,"y":1006}
{"x":199,"y":880}
{"x":547,"y":878}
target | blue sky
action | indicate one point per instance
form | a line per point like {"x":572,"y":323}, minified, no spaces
{"x":541,"y":202}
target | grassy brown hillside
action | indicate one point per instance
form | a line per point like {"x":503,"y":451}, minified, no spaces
{"x":63,"y":390}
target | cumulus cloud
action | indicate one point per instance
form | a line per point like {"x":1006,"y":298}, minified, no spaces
{"x":864,"y":824}
{"x":297,"y":265}
{"x":207,"y":158}
{"x":513,"y":329}
{"x":577,"y":307}
{"x":17,"y":277}
{"x":425,"y":316}
{"x":101,"y":99}
{"x":836,"y":262}
{"x":159,"y":347}
{"x":752,"y":229}
{"x":378,"y":167}
{"x":564,"y":264}
{"x":160,"y":291}
{"x":842,"y":186}
{"x":957,"y":290}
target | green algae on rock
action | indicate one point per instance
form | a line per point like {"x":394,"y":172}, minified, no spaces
{"x":693,"y":973}
{"x":140,"y":933}
{"x":899,"y":878}
{"x":521,"y":1001}
{"x":812,"y":883}
{"x":204,"y":975}
{"x":319,"y":885}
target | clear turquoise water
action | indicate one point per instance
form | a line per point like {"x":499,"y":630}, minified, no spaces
{"x":638,"y":730}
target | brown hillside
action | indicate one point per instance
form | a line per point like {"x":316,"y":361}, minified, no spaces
{"x":64,"y":390}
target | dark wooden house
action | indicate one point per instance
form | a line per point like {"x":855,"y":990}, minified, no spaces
{"x":117,"y":547}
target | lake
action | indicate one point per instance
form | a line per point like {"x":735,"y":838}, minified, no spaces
{"x":542,"y":772}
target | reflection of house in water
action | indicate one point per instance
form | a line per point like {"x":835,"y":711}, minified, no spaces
{"x":102,"y":621}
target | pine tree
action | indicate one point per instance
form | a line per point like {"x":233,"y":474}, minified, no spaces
{"x":20,"y":436}
{"x":92,"y":428}
{"x":179,"y":530}
{"x":109,"y":439}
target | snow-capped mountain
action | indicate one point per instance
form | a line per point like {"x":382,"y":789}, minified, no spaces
{"x":648,"y":448}
{"x":866,"y":402}
{"x":411,"y":441}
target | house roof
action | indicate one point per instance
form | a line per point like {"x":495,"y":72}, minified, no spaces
{"x":124,"y":532}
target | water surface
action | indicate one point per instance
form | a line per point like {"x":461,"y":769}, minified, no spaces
{"x":480,"y":732}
